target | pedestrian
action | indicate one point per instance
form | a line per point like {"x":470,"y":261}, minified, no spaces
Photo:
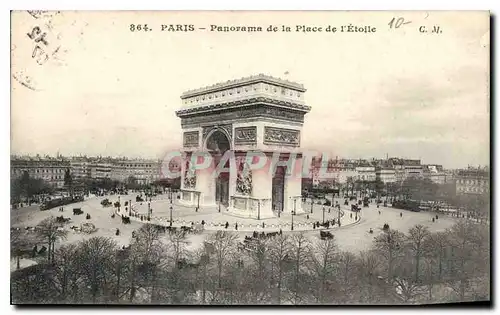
{"x":263,"y":225}
{"x":202,"y":222}
{"x":379,"y":212}
{"x":351,"y":215}
{"x":314,"y":226}
{"x":329,"y":209}
{"x":281,"y":232}
{"x":227,"y":224}
{"x":401,"y":214}
{"x":307,"y":217}
{"x":236,"y":226}
{"x":433,"y":219}
{"x":437,"y":217}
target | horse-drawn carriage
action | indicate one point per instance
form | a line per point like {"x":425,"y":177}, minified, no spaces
{"x":62,"y":219}
{"x":325,"y":235}
{"x":77,"y":211}
{"x":126,"y":220}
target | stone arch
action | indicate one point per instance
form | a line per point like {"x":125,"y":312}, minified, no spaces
{"x":219,"y":137}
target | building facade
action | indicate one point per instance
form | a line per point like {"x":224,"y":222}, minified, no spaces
{"x":366,"y":173}
{"x":386,"y":175}
{"x":473,"y":181}
{"x":145,"y":171}
{"x":435,"y":173}
{"x":49,"y":169}
{"x":80,"y":168}
{"x":412,"y":168}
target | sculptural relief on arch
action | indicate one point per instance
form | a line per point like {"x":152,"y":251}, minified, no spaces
{"x":250,"y":129}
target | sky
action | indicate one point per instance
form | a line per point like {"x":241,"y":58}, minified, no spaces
{"x":397,"y":92}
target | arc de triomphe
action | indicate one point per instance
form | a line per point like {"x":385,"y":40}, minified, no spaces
{"x":260,"y":115}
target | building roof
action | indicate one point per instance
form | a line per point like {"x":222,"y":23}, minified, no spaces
{"x":473,"y":173}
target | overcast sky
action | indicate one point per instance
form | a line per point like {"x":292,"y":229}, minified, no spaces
{"x":395,"y":92}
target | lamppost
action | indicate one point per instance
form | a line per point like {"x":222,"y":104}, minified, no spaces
{"x":258,"y":213}
{"x":323,"y":214}
{"x":220,"y":194}
{"x":339,"y":215}
{"x":198,"y":206}
{"x":294,"y":210}
{"x":333,"y":198}
{"x":312,"y":203}
{"x":171,"y":213}
{"x":130,"y":208}
{"x":149,"y":211}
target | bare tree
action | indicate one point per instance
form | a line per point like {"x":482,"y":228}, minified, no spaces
{"x":369,"y":265}
{"x":407,"y":288}
{"x":96,"y":261}
{"x":224,"y":248}
{"x":49,"y":229}
{"x":179,"y":244}
{"x":416,"y":242}
{"x":467,"y":256}
{"x":121,"y":262}
{"x":67,"y":271}
{"x":20,"y":245}
{"x":323,"y":265}
{"x":437,"y":243}
{"x":390,"y":246}
{"x":429,"y":276}
{"x":280,"y":252}
{"x":259,"y":254}
{"x":346,"y":274}
{"x":202,"y":255}
{"x":300,"y":251}
{"x":149,"y":253}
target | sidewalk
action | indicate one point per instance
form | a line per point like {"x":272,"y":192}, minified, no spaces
{"x":215,"y":220}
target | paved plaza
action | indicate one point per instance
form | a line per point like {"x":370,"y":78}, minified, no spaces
{"x":352,"y":235}
{"x":216,"y":219}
